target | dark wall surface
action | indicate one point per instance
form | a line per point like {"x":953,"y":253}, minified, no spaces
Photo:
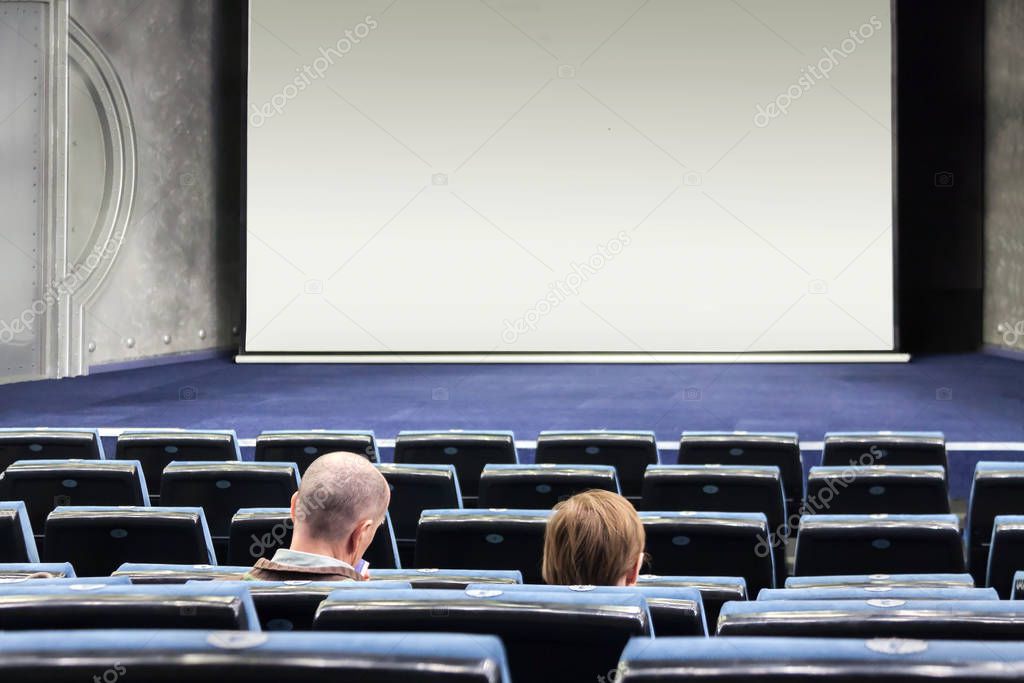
{"x":940,"y":188}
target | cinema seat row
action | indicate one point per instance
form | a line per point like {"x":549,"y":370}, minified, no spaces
{"x":164,"y":656}
{"x":488,"y":462}
{"x":596,"y":629}
{"x":97,"y":539}
{"x":172,"y":656}
{"x":629,"y":452}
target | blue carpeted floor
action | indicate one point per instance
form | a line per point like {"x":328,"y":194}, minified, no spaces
{"x":970,"y":397}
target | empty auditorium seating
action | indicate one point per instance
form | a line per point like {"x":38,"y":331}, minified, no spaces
{"x":19,"y":570}
{"x":223,"y":488}
{"x":78,"y":604}
{"x":998,"y":489}
{"x":549,"y":636}
{"x":45,"y":484}
{"x":629,"y":452}
{"x":780,"y":449}
{"x":876,"y":618}
{"x":715,"y":591}
{"x":716,"y":488}
{"x":867,"y":544}
{"x":540,"y":487}
{"x":303,"y":447}
{"x":49,"y":444}
{"x":468,"y":451}
{"x":1006,"y":554}
{"x":483,"y":539}
{"x":179,"y":573}
{"x":173,"y":656}
{"x":721,"y":488}
{"x":843,"y":449}
{"x":454,"y":579}
{"x":415,"y":488}
{"x":291,"y":605}
{"x":97,"y":540}
{"x":866,"y":490}
{"x":674,"y":611}
{"x":895,"y":580}
{"x":731,"y":660}
{"x":711,"y":543}
{"x":878,"y":592}
{"x":260,"y":532}
{"x":17,"y":543}
{"x":155,"y":450}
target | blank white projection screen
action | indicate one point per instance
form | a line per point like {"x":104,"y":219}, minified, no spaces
{"x":569,"y":176}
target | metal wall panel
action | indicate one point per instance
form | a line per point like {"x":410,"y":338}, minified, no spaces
{"x":173,"y":285}
{"x":1004,"y":198}
{"x":22,"y":197}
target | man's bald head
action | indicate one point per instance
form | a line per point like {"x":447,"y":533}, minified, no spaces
{"x":338,"y":490}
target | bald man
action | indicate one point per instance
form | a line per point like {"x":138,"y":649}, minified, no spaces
{"x":341,"y":502}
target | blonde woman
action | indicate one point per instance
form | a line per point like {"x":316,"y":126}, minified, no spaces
{"x":594,"y":538}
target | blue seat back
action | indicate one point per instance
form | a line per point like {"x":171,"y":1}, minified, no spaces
{"x":49,"y":444}
{"x":483,"y":539}
{"x":157,"y":449}
{"x":590,"y":629}
{"x":291,"y":605}
{"x":868,"y":544}
{"x":725,"y":659}
{"x":17,"y":543}
{"x":877,"y":618}
{"x":779,"y":449}
{"x":46,"y":484}
{"x":415,"y":488}
{"x":99,"y":539}
{"x":868,"y":490}
{"x":154,"y":572}
{"x":541,"y":486}
{"x":447,"y":579}
{"x":674,"y":611}
{"x":303,"y":447}
{"x":175,"y":655}
{"x":878,"y":593}
{"x":895,"y":580}
{"x":468,"y":451}
{"x":629,"y":452}
{"x":997,"y":489}
{"x":78,"y":604}
{"x":712,"y":543}
{"x":860,"y":449}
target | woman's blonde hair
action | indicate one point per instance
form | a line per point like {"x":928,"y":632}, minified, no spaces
{"x":593,"y":538}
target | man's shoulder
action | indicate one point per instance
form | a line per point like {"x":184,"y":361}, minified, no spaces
{"x":270,"y":570}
